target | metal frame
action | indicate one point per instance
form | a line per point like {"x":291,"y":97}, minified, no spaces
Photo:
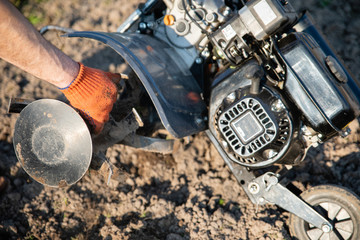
{"x":267,"y":189}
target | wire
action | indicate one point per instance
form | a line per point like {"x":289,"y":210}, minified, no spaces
{"x":56,"y":28}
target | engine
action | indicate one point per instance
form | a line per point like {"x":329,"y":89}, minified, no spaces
{"x":302,"y":97}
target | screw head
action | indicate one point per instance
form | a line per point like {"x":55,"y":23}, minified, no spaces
{"x":277,"y":106}
{"x":199,"y":60}
{"x":226,"y":12}
{"x":205,"y":53}
{"x":326,"y":228}
{"x":231,"y":97}
{"x":254,"y":188}
{"x":225,"y":144}
{"x":150,"y":25}
{"x":199,"y":120}
{"x":211,"y":17}
{"x":142,"y":26}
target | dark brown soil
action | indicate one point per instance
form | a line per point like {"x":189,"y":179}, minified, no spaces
{"x":187,"y":195}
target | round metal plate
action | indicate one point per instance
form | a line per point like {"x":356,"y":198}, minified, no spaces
{"x":52,"y":143}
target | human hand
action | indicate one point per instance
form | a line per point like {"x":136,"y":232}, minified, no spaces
{"x":93,"y":93}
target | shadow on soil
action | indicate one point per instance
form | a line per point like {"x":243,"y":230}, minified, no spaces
{"x":316,"y":170}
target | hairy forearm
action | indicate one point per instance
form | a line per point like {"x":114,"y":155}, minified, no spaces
{"x":23,"y":46}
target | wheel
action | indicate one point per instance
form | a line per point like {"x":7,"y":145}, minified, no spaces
{"x":338,"y":205}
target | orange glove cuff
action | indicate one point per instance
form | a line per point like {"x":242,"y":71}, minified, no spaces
{"x":93,"y":93}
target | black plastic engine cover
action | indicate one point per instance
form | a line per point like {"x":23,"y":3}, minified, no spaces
{"x":254,"y":130}
{"x":318,"y":83}
{"x":255,"y":133}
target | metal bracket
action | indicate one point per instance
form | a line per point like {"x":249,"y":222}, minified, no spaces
{"x":267,"y":189}
{"x":136,"y":15}
{"x":114,"y":132}
{"x":16,"y":105}
{"x":101,"y":165}
{"x":150,"y":144}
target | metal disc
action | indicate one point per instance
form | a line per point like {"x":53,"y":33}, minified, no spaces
{"x":52,"y":143}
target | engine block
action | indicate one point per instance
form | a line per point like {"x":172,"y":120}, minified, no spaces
{"x":192,"y":21}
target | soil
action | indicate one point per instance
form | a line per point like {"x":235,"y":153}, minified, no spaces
{"x":189,"y":194}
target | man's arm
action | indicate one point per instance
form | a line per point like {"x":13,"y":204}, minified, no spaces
{"x":22,"y":45}
{"x":91,"y":91}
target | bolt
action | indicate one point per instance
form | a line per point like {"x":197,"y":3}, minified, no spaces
{"x":277,"y":106}
{"x":231,"y":97}
{"x":254,"y":188}
{"x":211,"y":17}
{"x":199,"y":120}
{"x":326,"y":228}
{"x":267,"y":45}
{"x":199,"y":60}
{"x":345,"y":132}
{"x":142,"y":26}
{"x":234,"y":52}
{"x":225,"y":144}
{"x":205,"y":53}
{"x":226,"y":11}
{"x":151,"y":25}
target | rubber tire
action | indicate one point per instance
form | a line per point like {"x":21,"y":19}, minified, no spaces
{"x":327,"y":193}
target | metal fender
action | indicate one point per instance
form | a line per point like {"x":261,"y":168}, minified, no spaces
{"x":172,"y":88}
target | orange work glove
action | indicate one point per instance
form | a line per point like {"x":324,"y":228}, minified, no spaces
{"x":93,"y":93}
